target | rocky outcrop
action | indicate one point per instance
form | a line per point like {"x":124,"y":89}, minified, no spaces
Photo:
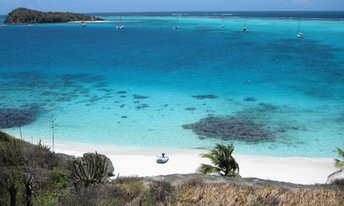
{"x":28,"y":16}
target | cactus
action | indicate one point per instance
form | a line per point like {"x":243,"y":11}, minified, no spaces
{"x":92,"y":168}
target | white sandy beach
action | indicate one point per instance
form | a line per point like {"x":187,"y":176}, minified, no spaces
{"x":141,"y":162}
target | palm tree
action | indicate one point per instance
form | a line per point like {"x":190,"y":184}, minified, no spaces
{"x":338,"y":163}
{"x":223,"y":161}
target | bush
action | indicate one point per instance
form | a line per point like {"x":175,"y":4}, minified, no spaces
{"x":159,"y":193}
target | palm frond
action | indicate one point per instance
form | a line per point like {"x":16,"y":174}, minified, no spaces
{"x":213,"y":158}
{"x":340,"y":152}
{"x":223,"y":161}
{"x":207,"y":169}
{"x":339,"y":163}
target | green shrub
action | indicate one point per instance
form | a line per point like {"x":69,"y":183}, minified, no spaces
{"x":5,"y":137}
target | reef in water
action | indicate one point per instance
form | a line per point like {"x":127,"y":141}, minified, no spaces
{"x":141,"y":106}
{"x":208,"y":96}
{"x":14,"y":117}
{"x":229,"y":129}
{"x":190,"y":108}
{"x":136,"y":96}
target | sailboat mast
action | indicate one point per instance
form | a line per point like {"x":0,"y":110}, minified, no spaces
{"x":298,"y":26}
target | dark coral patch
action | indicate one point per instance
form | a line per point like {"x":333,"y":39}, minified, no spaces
{"x":140,"y":96}
{"x":229,"y":129}
{"x":249,"y":99}
{"x":141,"y":106}
{"x":190,"y":108}
{"x":208,"y":96}
{"x":13,"y":117}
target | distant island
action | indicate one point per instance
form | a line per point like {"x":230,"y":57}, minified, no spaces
{"x":29,"y":16}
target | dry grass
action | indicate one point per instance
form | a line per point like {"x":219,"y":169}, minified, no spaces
{"x":224,"y":194}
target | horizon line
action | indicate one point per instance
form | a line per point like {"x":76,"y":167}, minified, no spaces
{"x":104,"y":12}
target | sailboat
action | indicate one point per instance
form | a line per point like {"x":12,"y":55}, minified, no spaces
{"x":120,"y":26}
{"x":223,"y":23}
{"x":244,"y":29}
{"x":177,"y":25}
{"x":299,"y":33}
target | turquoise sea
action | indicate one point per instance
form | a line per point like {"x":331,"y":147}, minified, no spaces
{"x":139,"y":85}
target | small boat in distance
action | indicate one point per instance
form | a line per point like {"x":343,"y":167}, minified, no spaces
{"x":120,"y":26}
{"x":162,"y":159}
{"x":30,"y":25}
{"x":4,"y":25}
{"x":83,"y":24}
{"x":245,"y":29}
{"x":299,"y":33}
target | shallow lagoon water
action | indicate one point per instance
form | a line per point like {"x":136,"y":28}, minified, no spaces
{"x":135,"y":87}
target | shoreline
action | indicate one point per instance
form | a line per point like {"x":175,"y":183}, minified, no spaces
{"x":134,"y":161}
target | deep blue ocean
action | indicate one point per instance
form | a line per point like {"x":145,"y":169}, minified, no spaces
{"x":139,"y":85}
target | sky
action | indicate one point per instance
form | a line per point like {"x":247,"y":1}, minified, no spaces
{"x":89,"y":6}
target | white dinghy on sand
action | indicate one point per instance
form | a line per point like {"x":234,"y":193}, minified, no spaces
{"x":162,"y":159}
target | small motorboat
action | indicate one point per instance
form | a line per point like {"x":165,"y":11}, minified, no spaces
{"x":300,"y":35}
{"x":162,"y":159}
{"x":120,"y":27}
{"x":83,"y":24}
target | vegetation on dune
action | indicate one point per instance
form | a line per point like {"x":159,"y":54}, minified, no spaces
{"x":33,"y":175}
{"x":29,"y":16}
{"x":223,"y":162}
{"x":242,"y":194}
{"x":27,"y":170}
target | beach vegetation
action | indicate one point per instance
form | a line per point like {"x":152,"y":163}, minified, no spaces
{"x":159,"y":193}
{"x":91,"y":168}
{"x":339,"y":163}
{"x":33,"y":175}
{"x":223,"y":162}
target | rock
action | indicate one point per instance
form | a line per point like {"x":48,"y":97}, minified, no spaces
{"x":29,"y":16}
